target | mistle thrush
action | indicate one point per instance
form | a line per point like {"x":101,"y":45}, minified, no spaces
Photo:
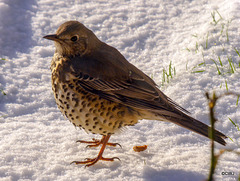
{"x":98,"y":90}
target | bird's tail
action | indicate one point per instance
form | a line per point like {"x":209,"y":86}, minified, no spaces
{"x":190,"y":123}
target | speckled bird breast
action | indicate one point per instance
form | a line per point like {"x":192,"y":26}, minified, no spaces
{"x":86,"y":110}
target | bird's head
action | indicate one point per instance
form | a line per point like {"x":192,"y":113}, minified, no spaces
{"x":73,"y":38}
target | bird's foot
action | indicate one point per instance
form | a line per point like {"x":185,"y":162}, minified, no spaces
{"x":96,"y":143}
{"x":91,"y":161}
{"x":104,"y":142}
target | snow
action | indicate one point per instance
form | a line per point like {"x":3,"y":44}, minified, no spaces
{"x":38,"y":143}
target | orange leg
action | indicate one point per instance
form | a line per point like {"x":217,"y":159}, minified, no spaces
{"x":96,"y":143}
{"x":90,"y":161}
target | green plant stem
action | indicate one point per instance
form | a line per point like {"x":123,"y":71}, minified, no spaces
{"x":212,"y":102}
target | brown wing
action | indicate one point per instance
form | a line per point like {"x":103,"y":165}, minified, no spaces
{"x":108,"y":74}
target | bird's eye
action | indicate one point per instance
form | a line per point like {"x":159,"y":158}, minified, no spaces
{"x":74,"y":38}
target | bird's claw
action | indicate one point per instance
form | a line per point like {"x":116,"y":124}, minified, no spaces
{"x":96,"y":143}
{"x":91,"y":161}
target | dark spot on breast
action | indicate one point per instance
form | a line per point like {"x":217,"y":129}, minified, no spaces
{"x":120,"y":124}
{"x":71,"y":86}
{"x":114,"y":108}
{"x":76,"y":104}
{"x":62,"y":96}
{"x":120,"y":113}
{"x":87,"y":115}
{"x":104,"y":121}
{"x":109,"y":124}
{"x":96,"y":105}
{"x":75,"y":99}
{"x":100,"y":129}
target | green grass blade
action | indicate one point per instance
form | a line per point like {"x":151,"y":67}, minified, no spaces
{"x":220,"y":61}
{"x":230,"y":138}
{"x":226,"y":85}
{"x":232,"y":67}
{"x":213,"y":17}
{"x":237,"y":52}
{"x":234,"y":124}
{"x":219,"y":14}
{"x":196,"y":47}
{"x":3,"y":116}
{"x":220,"y":85}
{"x":222,"y":28}
{"x":3,"y":92}
{"x":219,"y":73}
{"x":170,"y":69}
{"x":198,"y":71}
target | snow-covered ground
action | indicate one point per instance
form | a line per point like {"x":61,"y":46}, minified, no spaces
{"x":38,"y":143}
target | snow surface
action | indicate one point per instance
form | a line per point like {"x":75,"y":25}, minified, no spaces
{"x":38,"y":143}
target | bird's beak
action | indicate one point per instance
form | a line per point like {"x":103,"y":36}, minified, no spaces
{"x":53,"y":37}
